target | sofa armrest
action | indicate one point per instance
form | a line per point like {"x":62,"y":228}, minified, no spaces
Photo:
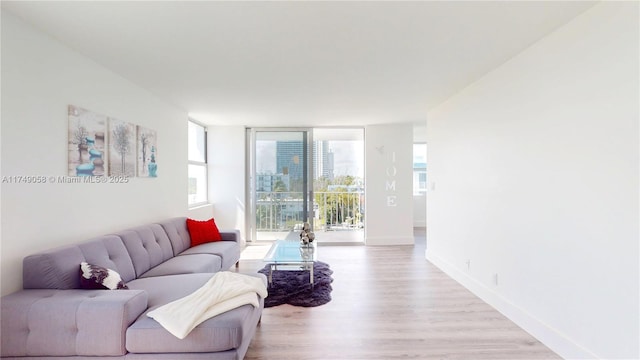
{"x":53,"y":322}
{"x":231,"y":235}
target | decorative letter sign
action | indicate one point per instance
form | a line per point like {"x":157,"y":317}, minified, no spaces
{"x":390,"y":184}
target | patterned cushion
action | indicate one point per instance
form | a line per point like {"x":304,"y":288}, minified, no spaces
{"x":97,"y":277}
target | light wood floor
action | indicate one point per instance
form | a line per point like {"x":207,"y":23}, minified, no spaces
{"x":390,"y":303}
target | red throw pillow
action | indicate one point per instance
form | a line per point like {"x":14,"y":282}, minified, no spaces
{"x":203,"y":231}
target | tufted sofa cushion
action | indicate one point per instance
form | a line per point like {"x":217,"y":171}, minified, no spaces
{"x":178,"y":233}
{"x":27,"y":321}
{"x":224,"y":332}
{"x":109,"y":252}
{"x":147,"y":245}
{"x":228,"y":251}
{"x":59,"y":268}
{"x":199,"y":263}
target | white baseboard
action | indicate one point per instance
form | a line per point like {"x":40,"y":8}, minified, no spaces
{"x":549,"y":336}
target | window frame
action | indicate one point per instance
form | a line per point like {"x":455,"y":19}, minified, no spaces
{"x":204,"y":164}
{"x":419,"y":190}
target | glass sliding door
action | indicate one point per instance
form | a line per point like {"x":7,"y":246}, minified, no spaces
{"x":280,"y":185}
{"x":338,"y":165}
{"x":313,"y":175}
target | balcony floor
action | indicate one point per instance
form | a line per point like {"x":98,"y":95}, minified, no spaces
{"x":334,"y":236}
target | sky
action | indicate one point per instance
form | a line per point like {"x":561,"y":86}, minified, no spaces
{"x":348,"y":157}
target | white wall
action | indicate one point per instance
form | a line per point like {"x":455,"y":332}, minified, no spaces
{"x":202,"y":212}
{"x":535,"y":169}
{"x":40,"y":77}
{"x":419,"y":210}
{"x":389,"y":184}
{"x":227,"y":176}
{"x":420,"y":132}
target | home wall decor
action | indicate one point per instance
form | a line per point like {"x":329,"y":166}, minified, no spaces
{"x":86,"y":142}
{"x":147,"y":152}
{"x":122,"y":148}
{"x":99,"y":145}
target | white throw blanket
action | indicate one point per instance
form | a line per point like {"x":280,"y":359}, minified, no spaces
{"x":223,"y":292}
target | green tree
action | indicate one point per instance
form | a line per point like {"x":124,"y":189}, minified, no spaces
{"x":278,"y":189}
{"x":279,"y":186}
{"x":337,"y":206}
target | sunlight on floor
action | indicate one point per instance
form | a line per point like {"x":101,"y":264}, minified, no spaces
{"x":255,"y":252}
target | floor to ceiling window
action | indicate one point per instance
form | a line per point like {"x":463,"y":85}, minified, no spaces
{"x":306,"y":175}
{"x":197,"y":172}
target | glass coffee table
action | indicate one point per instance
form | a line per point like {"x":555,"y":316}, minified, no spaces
{"x":291,"y":255}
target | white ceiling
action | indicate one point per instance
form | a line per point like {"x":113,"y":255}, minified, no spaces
{"x":300,"y":63}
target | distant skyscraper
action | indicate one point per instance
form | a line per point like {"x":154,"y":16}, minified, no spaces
{"x":323,"y":160}
{"x":328,"y":166}
{"x":289,"y":159}
{"x":317,"y":159}
{"x":320,"y":150}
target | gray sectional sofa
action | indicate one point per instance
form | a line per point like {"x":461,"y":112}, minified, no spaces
{"x":53,"y":318}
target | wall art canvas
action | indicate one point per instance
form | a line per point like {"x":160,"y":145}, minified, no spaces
{"x":86,"y":142}
{"x":122,"y":148}
{"x":147,"y":152}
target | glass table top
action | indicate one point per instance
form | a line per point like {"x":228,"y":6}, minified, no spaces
{"x":290,"y":251}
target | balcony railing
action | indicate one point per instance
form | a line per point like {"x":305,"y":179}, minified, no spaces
{"x":333,"y":210}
